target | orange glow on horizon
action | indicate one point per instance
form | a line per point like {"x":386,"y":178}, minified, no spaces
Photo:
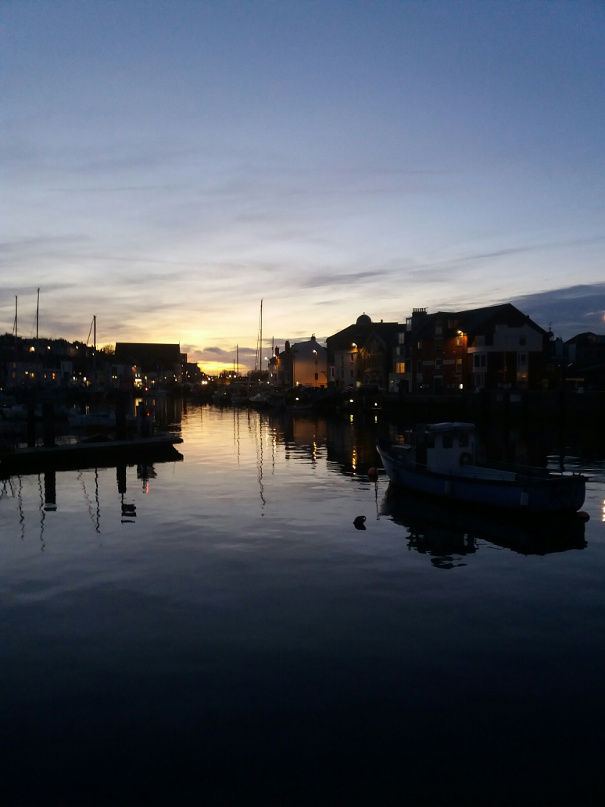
{"x":214,"y":368}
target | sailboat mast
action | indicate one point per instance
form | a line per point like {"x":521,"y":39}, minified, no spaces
{"x":15,"y":323}
{"x":37,"y":314}
{"x":260,"y":344}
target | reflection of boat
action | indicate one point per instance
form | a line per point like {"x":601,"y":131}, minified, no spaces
{"x":441,"y":528}
{"x":95,"y":453}
{"x":439,"y":459}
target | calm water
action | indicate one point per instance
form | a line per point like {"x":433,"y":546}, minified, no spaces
{"x":218,"y":631}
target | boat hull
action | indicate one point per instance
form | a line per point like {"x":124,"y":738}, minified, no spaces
{"x":550,"y":494}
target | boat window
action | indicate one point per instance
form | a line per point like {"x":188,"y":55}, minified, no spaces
{"x":448,"y":440}
{"x":463,"y":439}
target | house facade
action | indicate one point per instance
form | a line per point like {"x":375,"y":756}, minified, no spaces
{"x":585,"y":361}
{"x":497,"y":347}
{"x":362,"y":353}
{"x":300,"y":364}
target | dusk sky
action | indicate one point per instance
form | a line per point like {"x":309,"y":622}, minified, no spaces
{"x":165,"y":165}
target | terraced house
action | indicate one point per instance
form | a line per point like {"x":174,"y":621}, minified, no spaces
{"x":497,"y":347}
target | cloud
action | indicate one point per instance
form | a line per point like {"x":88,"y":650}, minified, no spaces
{"x":567,"y":311}
{"x":41,"y":244}
{"x":327,"y":279}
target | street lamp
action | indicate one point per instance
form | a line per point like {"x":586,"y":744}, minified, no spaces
{"x":316,"y":375}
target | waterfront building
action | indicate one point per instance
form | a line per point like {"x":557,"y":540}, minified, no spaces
{"x":361,"y":354}
{"x":496,"y":347}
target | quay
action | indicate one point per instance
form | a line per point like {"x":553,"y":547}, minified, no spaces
{"x":95,"y":452}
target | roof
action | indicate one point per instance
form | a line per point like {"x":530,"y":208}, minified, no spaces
{"x":148,"y":353}
{"x":360,"y":334}
{"x":477,"y":320}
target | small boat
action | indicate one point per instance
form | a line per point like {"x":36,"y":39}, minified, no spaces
{"x":439,"y":459}
{"x":107,"y":419}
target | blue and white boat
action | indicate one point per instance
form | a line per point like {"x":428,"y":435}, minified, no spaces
{"x":440,"y":459}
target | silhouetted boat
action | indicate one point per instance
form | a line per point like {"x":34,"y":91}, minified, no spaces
{"x":85,"y":420}
{"x":439,"y":459}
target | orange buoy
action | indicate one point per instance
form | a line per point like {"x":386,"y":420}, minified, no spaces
{"x":372,"y":472}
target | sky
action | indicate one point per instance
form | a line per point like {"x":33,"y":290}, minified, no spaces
{"x":167,"y":165}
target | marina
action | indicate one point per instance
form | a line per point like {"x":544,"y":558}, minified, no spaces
{"x":267,"y":620}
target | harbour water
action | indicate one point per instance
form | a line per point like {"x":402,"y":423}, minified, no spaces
{"x":225,"y":630}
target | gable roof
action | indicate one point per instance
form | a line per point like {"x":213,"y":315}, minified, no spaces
{"x":360,"y":333}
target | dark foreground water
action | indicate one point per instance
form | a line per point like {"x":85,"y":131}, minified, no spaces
{"x":217,"y":631}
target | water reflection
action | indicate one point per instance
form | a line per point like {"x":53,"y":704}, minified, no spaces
{"x":55,"y":494}
{"x":94,"y":511}
{"x":449,"y":532}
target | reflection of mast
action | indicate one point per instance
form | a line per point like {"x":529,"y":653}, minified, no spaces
{"x":95,"y":516}
{"x":259,"y":463}
{"x":236,"y":417}
{"x":21,"y":511}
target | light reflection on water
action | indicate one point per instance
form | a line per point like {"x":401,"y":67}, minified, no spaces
{"x":218,"y":628}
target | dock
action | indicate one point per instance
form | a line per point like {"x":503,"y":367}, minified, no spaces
{"x":95,"y":452}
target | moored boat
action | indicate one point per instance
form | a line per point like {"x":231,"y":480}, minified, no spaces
{"x":440,"y":459}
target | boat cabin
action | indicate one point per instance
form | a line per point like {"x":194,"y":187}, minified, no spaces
{"x":443,"y":447}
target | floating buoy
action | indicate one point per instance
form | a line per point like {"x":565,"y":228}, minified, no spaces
{"x":360,"y":523}
{"x":583,"y":515}
{"x":372,"y":473}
